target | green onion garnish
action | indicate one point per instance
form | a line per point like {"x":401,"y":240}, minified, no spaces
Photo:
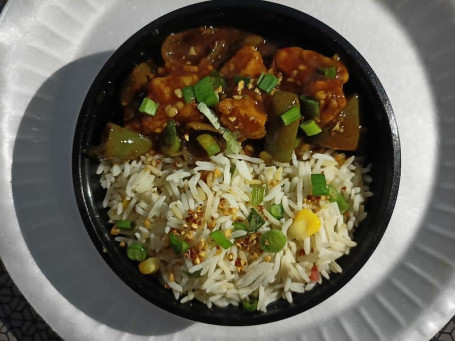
{"x":273,"y":241}
{"x":255,"y":221}
{"x":213,"y":119}
{"x":188,"y":94}
{"x":204,"y":92}
{"x":137,"y":252}
{"x":257,"y":194}
{"x":179,"y":246}
{"x":267,"y":82}
{"x":124,"y":224}
{"x":252,"y":305}
{"x":232,"y":145}
{"x":209,"y":144}
{"x":219,"y":238}
{"x":239,"y":226}
{"x":217,"y":80}
{"x":319,"y":184}
{"x":291,"y":116}
{"x":328,"y":72}
{"x":310,"y":128}
{"x":238,"y":78}
{"x":277,"y":211}
{"x":310,"y":107}
{"x":148,"y":106}
{"x":337,"y":197}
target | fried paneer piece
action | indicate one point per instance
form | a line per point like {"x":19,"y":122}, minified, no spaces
{"x":246,"y":62}
{"x":245,"y":115}
{"x":302,"y":73}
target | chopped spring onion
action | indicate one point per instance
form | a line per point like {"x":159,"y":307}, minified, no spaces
{"x":204,"y":92}
{"x":209,"y":144}
{"x":310,"y":128}
{"x":291,"y":116}
{"x":328,"y":72}
{"x":252,"y":305}
{"x":188,"y":94}
{"x":267,"y":82}
{"x":273,"y":241}
{"x":337,"y":197}
{"x":277,"y":211}
{"x":319,"y":184}
{"x":213,"y":119}
{"x":239,"y":226}
{"x":255,"y":221}
{"x":217,"y":80}
{"x":219,"y":238}
{"x":260,"y":77}
{"x":310,"y":107}
{"x":136,"y":252}
{"x":124,"y":224}
{"x":179,"y":246}
{"x":238,"y":78}
{"x":257,"y":194}
{"x":232,"y":145}
{"x":169,"y":139}
{"x":148,"y":106}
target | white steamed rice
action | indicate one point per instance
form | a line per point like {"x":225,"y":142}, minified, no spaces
{"x":162,"y":194}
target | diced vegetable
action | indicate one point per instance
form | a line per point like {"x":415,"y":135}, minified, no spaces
{"x":251,"y":305}
{"x":277,"y":211}
{"x":310,"y":107}
{"x":257,"y":194}
{"x":179,"y":246}
{"x":305,"y":224}
{"x":219,"y":238}
{"x":136,"y":252}
{"x":188,"y":94}
{"x":232,"y":145}
{"x":310,"y":128}
{"x":148,"y":106}
{"x":209,"y":144}
{"x":318,"y":184}
{"x":149,"y":266}
{"x":170,"y":142}
{"x":120,"y":144}
{"x":291,"y":116}
{"x":273,"y":241}
{"x":267,"y":82}
{"x":328,"y":72}
{"x":207,"y":112}
{"x":280,"y":140}
{"x":217,"y":80}
{"x":239,"y":226}
{"x":238,"y":78}
{"x":337,"y":197}
{"x":204,"y":92}
{"x":345,"y":133}
{"x":255,"y":221}
{"x":124,"y":224}
{"x":314,"y":276}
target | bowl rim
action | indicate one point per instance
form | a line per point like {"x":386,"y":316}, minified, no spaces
{"x":82,"y":192}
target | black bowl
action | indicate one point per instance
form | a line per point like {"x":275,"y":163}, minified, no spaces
{"x":286,"y":27}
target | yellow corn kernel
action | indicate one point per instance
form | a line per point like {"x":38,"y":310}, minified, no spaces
{"x":125,"y":203}
{"x":305,"y":224}
{"x":149,"y":266}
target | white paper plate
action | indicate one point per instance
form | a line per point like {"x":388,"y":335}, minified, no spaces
{"x":50,"y":53}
